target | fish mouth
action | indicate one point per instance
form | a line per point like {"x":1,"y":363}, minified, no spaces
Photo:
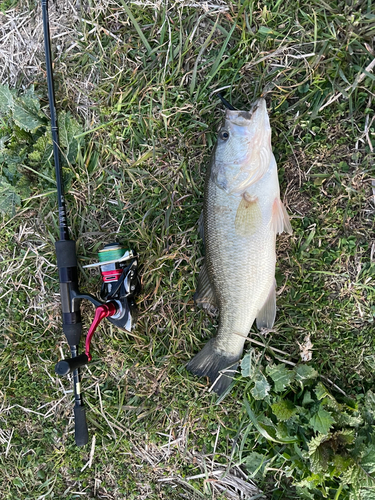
{"x":241,"y":118}
{"x":261,"y":102}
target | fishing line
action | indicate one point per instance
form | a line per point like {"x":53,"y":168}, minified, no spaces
{"x":226,"y":103}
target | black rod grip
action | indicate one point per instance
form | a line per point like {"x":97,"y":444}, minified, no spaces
{"x":68,"y":365}
{"x":66,"y":253}
{"x":68,"y":277}
{"x":81,"y":432}
{"x":73,"y":333}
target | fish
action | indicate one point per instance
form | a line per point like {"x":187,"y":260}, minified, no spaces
{"x":242,"y":214}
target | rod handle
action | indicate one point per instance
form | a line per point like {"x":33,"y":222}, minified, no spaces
{"x":70,"y":303}
{"x":66,"y":366}
{"x":81,"y":432}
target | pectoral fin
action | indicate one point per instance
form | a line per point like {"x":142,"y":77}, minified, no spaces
{"x":280,"y":219}
{"x":248,"y":216}
{"x":267,"y":314}
{"x":205,"y":296}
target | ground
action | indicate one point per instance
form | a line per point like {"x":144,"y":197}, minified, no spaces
{"x":140,"y":78}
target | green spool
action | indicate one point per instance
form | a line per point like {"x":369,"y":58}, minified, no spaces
{"x":113,"y":251}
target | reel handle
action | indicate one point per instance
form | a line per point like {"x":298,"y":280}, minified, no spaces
{"x":66,"y":366}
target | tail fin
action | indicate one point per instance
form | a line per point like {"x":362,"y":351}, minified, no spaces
{"x":213,"y":363}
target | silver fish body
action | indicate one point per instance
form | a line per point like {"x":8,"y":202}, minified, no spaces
{"x":242,"y":214}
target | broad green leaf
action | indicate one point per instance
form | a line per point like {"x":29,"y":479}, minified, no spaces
{"x":330,"y":403}
{"x":370,"y":361}
{"x":367,"y":493}
{"x":266,"y":433}
{"x":281,"y":376}
{"x":253,"y":462}
{"x":26,"y":117}
{"x":265,"y":32}
{"x":42,"y":151}
{"x":247,"y":366}
{"x":6,"y":99}
{"x":9,"y":197}
{"x":319,"y":452}
{"x":358,"y":477}
{"x":311,"y":482}
{"x":321,"y":391}
{"x":305,"y":372}
{"x":261,"y":387}
{"x":17,"y":481}
{"x":68,"y":129}
{"x":282,"y":431}
{"x":344,"y":419}
{"x":286,"y":435}
{"x":307,"y":398}
{"x":303,"y":492}
{"x":370,"y":400}
{"x":31,"y":102}
{"x":341,"y":463}
{"x":12,"y":157}
{"x":368,"y":460}
{"x":284,"y":409}
{"x":347,"y":436}
{"x":321,"y":421}
{"x":22,"y":135}
{"x":316,"y":441}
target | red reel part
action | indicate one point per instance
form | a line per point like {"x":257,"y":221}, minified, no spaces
{"x":101,"y":312}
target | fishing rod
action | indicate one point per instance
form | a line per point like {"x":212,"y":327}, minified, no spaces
{"x":118,"y":267}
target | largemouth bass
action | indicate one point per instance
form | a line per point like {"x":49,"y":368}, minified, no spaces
{"x":242,"y":214}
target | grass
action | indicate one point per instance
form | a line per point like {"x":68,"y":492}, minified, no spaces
{"x":142,"y":79}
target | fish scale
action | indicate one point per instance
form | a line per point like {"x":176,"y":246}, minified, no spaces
{"x":242,"y":214}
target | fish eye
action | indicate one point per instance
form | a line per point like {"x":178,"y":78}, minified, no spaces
{"x":224,"y":134}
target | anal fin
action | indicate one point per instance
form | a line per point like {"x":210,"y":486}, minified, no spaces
{"x":280,"y":219}
{"x":248,"y":216}
{"x":267,"y":314}
{"x":205,"y":296}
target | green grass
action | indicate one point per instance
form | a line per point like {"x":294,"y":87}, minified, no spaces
{"x":146,"y":101}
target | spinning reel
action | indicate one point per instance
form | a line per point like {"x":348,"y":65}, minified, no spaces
{"x":120,"y":285}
